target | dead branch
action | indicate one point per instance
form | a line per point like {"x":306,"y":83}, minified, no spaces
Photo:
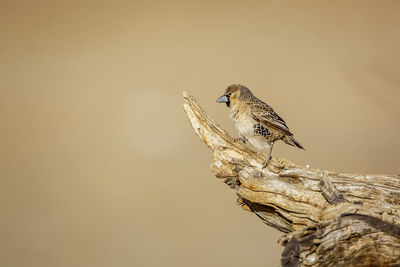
{"x":330,"y":219}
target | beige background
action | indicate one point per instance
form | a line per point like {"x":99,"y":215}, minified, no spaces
{"x":98,"y":164}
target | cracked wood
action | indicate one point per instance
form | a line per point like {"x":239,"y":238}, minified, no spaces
{"x":305,"y":202}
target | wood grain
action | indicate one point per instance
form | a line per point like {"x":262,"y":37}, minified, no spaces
{"x":329,"y":219}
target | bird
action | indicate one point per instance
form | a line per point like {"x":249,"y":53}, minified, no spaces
{"x":256,"y":122}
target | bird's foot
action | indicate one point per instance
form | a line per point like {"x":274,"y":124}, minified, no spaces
{"x":266,"y":162}
{"x":233,"y":182}
{"x":241,"y":139}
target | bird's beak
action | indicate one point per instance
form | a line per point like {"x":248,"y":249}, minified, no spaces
{"x":223,"y":99}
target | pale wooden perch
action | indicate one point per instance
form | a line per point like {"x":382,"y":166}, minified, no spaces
{"x":330,"y":219}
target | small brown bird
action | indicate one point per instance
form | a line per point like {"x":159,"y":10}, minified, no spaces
{"x":256,"y":121}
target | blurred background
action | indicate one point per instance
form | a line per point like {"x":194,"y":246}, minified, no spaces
{"x":98,"y":163}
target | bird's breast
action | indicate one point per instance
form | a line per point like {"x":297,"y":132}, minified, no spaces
{"x":244,"y":124}
{"x":243,"y":121}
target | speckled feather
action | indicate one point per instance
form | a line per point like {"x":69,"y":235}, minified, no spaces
{"x":247,"y":111}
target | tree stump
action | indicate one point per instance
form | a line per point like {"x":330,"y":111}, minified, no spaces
{"x":328,"y":218}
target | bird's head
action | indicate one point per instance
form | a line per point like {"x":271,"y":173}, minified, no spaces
{"x":232,"y":93}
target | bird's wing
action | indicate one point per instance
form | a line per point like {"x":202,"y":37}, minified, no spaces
{"x":265,"y":114}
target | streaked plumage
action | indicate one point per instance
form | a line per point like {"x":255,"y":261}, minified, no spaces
{"x":255,"y":120}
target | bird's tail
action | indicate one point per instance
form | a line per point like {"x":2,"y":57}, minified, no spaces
{"x":288,"y":139}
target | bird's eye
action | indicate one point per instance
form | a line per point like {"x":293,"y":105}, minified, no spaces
{"x":229,"y":94}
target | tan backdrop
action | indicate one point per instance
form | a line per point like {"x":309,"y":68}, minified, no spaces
{"x":98,"y":164}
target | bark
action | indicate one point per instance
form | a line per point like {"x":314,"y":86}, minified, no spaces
{"x":328,"y":218}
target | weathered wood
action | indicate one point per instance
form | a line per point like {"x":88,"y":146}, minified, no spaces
{"x":349,"y":240}
{"x":331,"y":219}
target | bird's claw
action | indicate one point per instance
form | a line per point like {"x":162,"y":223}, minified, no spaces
{"x":266,"y":162}
{"x":241,"y":139}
